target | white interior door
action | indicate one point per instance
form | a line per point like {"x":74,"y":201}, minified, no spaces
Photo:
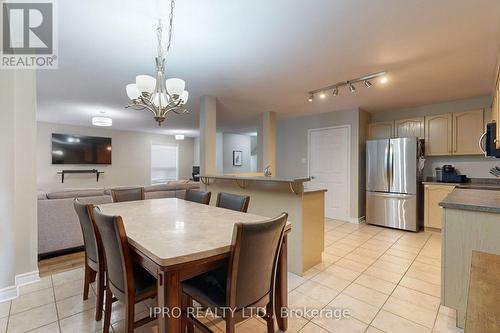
{"x":329,"y":165}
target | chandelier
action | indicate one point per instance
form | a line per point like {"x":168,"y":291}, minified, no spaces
{"x":157,"y":95}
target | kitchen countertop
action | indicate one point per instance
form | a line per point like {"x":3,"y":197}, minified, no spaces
{"x":260,"y":178}
{"x":473,"y":183}
{"x":472,"y":199}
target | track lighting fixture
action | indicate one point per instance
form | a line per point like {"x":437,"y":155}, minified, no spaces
{"x":350,"y":85}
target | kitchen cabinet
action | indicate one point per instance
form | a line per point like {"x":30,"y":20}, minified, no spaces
{"x":468,"y":126}
{"x":433,"y":213}
{"x":411,"y":127}
{"x":439,"y":135}
{"x":381,"y":130}
{"x":495,"y":110}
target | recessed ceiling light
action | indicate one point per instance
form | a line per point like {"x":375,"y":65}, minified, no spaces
{"x":311,"y":97}
{"x":102,"y":121}
{"x":322,"y":95}
{"x":179,"y":137}
{"x":384,"y":80}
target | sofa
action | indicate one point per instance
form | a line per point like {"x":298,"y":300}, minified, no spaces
{"x":58,"y":226}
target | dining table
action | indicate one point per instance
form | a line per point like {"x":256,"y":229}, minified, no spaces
{"x":175,"y":240}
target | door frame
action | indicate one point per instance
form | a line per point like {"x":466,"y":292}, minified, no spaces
{"x":348,"y":126}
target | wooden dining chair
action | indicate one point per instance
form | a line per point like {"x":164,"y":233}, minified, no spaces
{"x":126,"y":281}
{"x":94,"y":260}
{"x":235,"y":202}
{"x":247,"y":281}
{"x":201,"y":197}
{"x":130,"y":194}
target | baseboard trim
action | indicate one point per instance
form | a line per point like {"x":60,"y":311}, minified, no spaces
{"x":12,"y":292}
{"x":354,"y":220}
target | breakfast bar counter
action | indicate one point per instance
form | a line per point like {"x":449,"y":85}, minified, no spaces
{"x":269,"y":196}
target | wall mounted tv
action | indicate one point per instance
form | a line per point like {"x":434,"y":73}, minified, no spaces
{"x":78,"y":149}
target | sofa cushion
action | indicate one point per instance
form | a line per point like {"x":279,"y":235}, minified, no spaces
{"x":159,"y":194}
{"x":169,"y":186}
{"x":108,"y":190}
{"x":75,"y":193}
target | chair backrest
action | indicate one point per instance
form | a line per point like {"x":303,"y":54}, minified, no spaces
{"x":132,"y":194}
{"x":253,"y":261}
{"x":198,"y":196}
{"x":235,"y":202}
{"x":116,"y":250}
{"x":88,"y":230}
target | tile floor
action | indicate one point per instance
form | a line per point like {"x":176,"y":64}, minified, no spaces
{"x":388,"y":280}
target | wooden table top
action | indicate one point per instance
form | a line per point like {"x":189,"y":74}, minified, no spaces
{"x":173,"y":231}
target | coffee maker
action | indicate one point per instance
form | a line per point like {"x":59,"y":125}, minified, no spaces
{"x":450,"y":175}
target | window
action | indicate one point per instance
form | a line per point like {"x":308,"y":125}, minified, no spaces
{"x":164,"y":163}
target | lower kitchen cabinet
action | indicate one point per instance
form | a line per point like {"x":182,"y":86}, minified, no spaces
{"x":433,"y":213}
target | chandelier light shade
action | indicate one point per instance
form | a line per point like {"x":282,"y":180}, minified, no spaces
{"x":158,"y":95}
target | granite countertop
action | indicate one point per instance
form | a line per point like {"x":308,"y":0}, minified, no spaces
{"x":472,"y":199}
{"x":260,"y":178}
{"x":473,"y":183}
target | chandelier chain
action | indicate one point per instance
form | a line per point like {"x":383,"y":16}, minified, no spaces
{"x":171,"y":18}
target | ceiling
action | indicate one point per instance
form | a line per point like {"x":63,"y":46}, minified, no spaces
{"x":257,"y":56}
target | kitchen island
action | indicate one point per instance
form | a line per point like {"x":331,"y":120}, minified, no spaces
{"x":471,"y":222}
{"x":269,"y":196}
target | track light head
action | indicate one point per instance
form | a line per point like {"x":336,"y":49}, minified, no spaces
{"x":311,"y":98}
{"x":336,"y":91}
{"x":351,"y":87}
{"x":322,"y":95}
{"x":368,"y":84}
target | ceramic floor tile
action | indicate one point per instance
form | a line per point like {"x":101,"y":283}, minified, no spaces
{"x":425,"y":272}
{"x":298,"y":303}
{"x":447,"y":311}
{"x":352,"y":265}
{"x":68,"y":289}
{"x":118,"y":311}
{"x":343,"y":246}
{"x":4,"y":309}
{"x":323,"y":265}
{"x":295,"y":324}
{"x":3,"y":325}
{"x":31,"y":319}
{"x":32,"y":300}
{"x":313,"y":328}
{"x":402,"y":254}
{"x":344,"y":325}
{"x":82,"y":322}
{"x":417,"y":298}
{"x":67,"y":276}
{"x":44,"y":283}
{"x":74,"y":304}
{"x":357,"y":309}
{"x":391,"y":267}
{"x":367,"y":253}
{"x":318,"y":291}
{"x":390,"y":323}
{"x":50,"y":328}
{"x":329,"y":258}
{"x":411,"y":311}
{"x":396,"y":260}
{"x":333,"y":250}
{"x":384,"y":274}
{"x":151,"y":327}
{"x":376,"y":283}
{"x":366,"y":295}
{"x":310,"y":273}
{"x":446,"y":324}
{"x":342,"y":272}
{"x":331,"y":281}
{"x":422,"y":286}
{"x":294,"y":281}
{"x":429,"y":260}
{"x":360,"y":258}
{"x":372,"y":329}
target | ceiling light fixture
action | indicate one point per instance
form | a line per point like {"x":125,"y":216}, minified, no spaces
{"x":102,"y":121}
{"x":157,"y":95}
{"x":350,"y":84}
{"x":179,"y":137}
{"x":384,"y":80}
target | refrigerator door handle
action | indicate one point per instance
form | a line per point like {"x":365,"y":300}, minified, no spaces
{"x":390,"y":167}
{"x":386,"y":166}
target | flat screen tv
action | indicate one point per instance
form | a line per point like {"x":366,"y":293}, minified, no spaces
{"x":79,"y":149}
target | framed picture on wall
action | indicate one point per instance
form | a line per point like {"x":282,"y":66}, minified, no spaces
{"x":237,"y":157}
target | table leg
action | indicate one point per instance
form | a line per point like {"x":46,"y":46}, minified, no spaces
{"x":170,"y":299}
{"x":281,"y":289}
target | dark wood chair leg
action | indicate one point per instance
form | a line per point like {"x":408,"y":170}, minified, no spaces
{"x":100,"y":295}
{"x":107,"y":310}
{"x":230,"y":325}
{"x":130,"y":315}
{"x":87,"y":281}
{"x":189,"y":303}
{"x":270,"y":317}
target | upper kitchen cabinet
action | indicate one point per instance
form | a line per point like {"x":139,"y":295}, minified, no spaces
{"x":412,"y":127}
{"x":381,"y":130}
{"x":468,"y":127}
{"x":439,"y":135}
{"x":495,"y":110}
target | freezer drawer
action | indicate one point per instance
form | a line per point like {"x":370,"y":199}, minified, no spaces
{"x":392,"y":210}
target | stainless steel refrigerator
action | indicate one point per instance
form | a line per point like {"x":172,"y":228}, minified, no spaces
{"x":392,"y":183}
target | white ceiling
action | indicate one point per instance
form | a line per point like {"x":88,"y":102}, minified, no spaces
{"x":263,"y":55}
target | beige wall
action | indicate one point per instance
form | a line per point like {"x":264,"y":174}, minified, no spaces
{"x":472,"y":166}
{"x":18,"y":228}
{"x":291,"y":149}
{"x":130,"y":159}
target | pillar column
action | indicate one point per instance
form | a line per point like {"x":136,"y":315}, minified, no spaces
{"x":208,"y":134}
{"x":266,"y":142}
